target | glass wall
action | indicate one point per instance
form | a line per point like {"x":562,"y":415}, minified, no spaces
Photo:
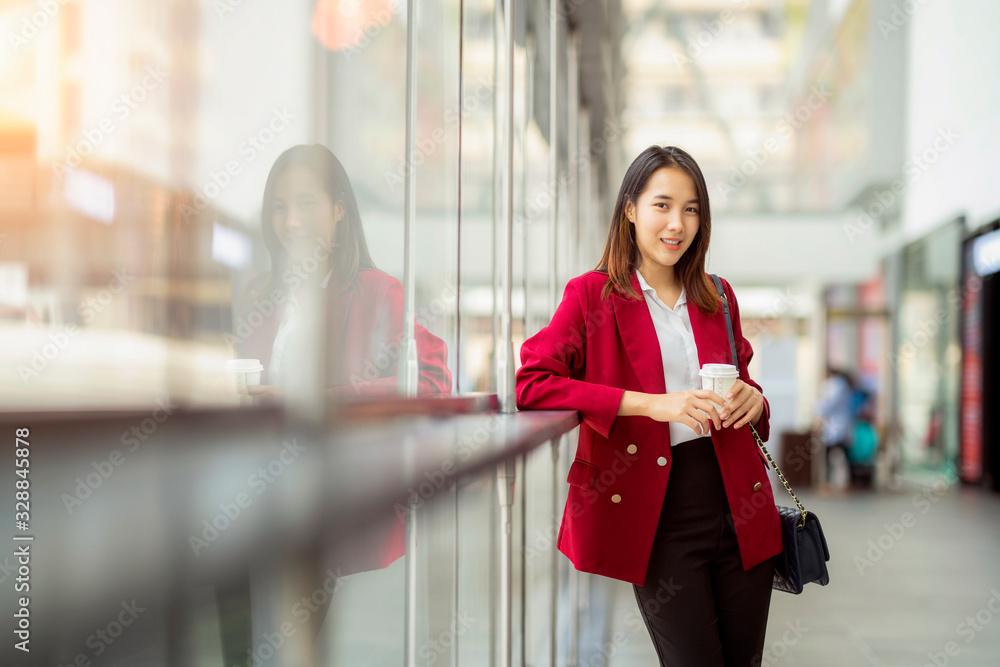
{"x":222,"y":204}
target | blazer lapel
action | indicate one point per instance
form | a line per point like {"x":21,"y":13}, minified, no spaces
{"x":710,"y":336}
{"x":635,"y":325}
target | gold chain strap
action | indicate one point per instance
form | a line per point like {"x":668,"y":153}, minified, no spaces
{"x":781,"y":475}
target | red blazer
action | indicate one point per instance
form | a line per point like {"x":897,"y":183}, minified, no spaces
{"x":585,"y":359}
{"x":366,"y":329}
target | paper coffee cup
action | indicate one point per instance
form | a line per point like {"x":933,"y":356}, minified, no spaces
{"x":243,"y":373}
{"x":719,"y":378}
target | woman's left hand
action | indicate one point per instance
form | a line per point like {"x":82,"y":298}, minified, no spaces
{"x":744,"y":405}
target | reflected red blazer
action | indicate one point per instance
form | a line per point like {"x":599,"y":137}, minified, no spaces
{"x":365,"y":326}
{"x":585,"y":359}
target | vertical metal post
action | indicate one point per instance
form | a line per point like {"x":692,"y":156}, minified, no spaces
{"x":572,"y":142}
{"x":410,"y":598}
{"x":505,"y":348}
{"x":523,"y":630}
{"x":505,"y":490}
{"x":553,"y":154}
{"x":407,"y":384}
{"x":529,"y":85}
{"x":584,"y":191}
{"x":554,"y":556}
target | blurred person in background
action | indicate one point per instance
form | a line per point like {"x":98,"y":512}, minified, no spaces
{"x":835,"y":420}
{"x":864,"y":439}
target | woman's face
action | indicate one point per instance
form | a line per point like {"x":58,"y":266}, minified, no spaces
{"x":302,"y":214}
{"x":666,"y":216}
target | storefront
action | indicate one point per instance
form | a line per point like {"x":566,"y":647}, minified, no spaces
{"x":979,"y":453}
{"x":926,"y":353}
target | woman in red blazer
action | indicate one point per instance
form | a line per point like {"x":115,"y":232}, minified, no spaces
{"x":700,"y":550}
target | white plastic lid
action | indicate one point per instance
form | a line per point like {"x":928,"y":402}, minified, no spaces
{"x":719,"y":371}
{"x":243,"y":365}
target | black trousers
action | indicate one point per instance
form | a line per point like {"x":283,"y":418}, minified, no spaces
{"x":702,"y":609}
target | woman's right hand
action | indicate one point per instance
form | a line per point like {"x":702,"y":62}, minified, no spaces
{"x":692,"y":407}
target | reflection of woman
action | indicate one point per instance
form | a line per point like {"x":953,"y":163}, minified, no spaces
{"x":624,"y":348}
{"x":313,"y":233}
{"x":312,"y":230}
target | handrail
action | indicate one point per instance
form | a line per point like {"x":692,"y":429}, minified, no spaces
{"x":155,"y":499}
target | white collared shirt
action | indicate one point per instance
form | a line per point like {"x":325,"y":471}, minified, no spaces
{"x":289,"y":319}
{"x":677,"y":347}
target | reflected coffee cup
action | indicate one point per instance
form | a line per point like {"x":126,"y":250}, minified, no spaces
{"x":243,"y":373}
{"x":719,"y":378}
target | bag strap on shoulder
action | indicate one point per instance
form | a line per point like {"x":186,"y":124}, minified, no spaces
{"x":732,"y":347}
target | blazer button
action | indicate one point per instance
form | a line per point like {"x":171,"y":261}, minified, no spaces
{"x":756,"y":487}
{"x":661,"y":461}
{"x":616,"y":498}
{"x":632,"y":449}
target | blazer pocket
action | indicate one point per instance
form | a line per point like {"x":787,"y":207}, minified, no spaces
{"x":582,"y":474}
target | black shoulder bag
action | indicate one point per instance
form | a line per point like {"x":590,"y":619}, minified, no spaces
{"x":805,"y":554}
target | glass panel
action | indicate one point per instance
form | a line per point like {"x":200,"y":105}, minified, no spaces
{"x":434,"y":167}
{"x":181,"y":196}
{"x":479,"y":85}
{"x":477,"y":549}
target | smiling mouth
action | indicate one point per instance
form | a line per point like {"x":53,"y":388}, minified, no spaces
{"x":673,"y":244}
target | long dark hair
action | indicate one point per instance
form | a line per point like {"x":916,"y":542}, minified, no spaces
{"x":351,"y":250}
{"x":621,"y":252}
